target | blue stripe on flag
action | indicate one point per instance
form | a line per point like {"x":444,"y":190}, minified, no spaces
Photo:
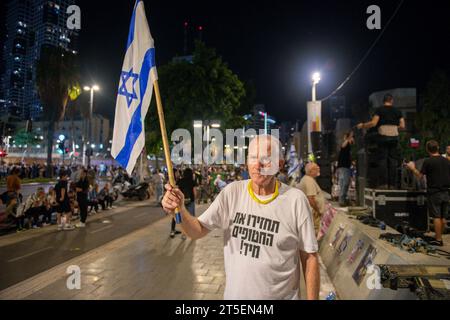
{"x":135,"y":128}
{"x":133,"y":19}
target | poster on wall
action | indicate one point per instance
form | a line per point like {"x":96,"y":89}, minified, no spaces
{"x":337,"y":235}
{"x":344,"y":243}
{"x":366,"y":261}
{"x":355,"y":251}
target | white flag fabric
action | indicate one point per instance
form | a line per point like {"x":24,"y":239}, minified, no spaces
{"x":293,"y":163}
{"x":135,"y":91}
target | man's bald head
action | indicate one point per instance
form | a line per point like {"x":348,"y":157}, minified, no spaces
{"x":312,"y":169}
{"x":265,"y":151}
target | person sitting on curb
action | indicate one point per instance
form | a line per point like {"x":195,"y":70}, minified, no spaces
{"x":35,"y":206}
{"x":104,"y":198}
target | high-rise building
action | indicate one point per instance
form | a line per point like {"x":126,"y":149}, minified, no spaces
{"x":30,"y":25}
{"x":259,"y":120}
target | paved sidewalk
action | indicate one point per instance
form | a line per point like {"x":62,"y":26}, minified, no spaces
{"x":145,"y":264}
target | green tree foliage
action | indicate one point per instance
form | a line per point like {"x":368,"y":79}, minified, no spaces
{"x":22,"y":137}
{"x":57,"y":74}
{"x":204,"y":89}
{"x":434,"y":120}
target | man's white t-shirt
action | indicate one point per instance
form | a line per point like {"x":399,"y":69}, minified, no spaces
{"x":262,"y":242}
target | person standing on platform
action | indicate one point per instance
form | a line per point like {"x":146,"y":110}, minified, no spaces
{"x":344,"y":165}
{"x":268,"y":230}
{"x":436,"y":169}
{"x":388,"y":120}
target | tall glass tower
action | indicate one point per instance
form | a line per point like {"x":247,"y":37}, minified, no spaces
{"x":30,"y":25}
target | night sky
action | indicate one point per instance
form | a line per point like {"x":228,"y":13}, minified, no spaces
{"x":277,"y":45}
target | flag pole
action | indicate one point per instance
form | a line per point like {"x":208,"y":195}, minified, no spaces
{"x":165,"y":140}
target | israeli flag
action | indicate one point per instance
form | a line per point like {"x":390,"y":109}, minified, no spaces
{"x":294,"y":164}
{"x":135,"y":91}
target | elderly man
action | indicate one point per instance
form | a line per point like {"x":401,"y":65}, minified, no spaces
{"x":312,"y":190}
{"x":268,"y":230}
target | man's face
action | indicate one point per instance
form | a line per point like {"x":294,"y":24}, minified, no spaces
{"x":447,"y":150}
{"x":262,"y":164}
{"x":389,"y":103}
{"x":314,"y":171}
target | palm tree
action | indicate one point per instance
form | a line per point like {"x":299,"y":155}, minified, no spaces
{"x":56,"y":74}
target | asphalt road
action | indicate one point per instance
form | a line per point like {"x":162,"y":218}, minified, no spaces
{"x":22,"y":260}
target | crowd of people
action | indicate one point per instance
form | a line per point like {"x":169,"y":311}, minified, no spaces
{"x":38,"y":170}
{"x":76,"y":194}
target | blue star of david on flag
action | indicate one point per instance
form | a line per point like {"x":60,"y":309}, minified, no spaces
{"x":130,"y":96}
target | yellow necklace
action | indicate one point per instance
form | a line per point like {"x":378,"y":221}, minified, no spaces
{"x":254,"y":197}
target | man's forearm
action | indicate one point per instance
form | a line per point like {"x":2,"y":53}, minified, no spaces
{"x":368,"y":125}
{"x":191,"y":226}
{"x":312,"y":277}
{"x":417,"y":173}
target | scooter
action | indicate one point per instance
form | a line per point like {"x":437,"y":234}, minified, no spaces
{"x":120,"y":188}
{"x":139,"y":191}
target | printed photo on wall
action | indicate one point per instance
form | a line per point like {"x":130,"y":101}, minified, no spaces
{"x":344,"y":243}
{"x":367,"y":260}
{"x":337,"y":235}
{"x":355,"y":251}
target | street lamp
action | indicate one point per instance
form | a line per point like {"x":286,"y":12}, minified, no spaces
{"x":91,"y":107}
{"x":315,"y":81}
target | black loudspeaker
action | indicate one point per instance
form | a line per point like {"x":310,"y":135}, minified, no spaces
{"x":322,"y":144}
{"x":325,"y":178}
{"x":316,"y":142}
